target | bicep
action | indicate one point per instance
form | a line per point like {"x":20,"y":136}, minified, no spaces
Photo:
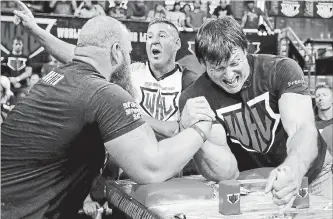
{"x":132,"y":150}
{"x":295,"y":110}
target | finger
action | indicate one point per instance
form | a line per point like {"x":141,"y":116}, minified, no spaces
{"x":199,"y":117}
{"x":289,"y":204}
{"x":202,"y":111}
{"x":284,"y":192}
{"x":271,"y":179}
{"x":21,"y":5}
{"x":281,"y":183}
{"x":21,"y":15}
{"x":207,"y":109}
{"x":284,"y":200}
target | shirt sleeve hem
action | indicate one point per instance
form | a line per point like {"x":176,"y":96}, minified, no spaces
{"x":123,"y":130}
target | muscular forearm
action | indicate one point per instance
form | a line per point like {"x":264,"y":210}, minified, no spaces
{"x":174,"y":153}
{"x":302,"y":148}
{"x":167,"y":128}
{"x":216,"y":163}
{"x":62,"y":51}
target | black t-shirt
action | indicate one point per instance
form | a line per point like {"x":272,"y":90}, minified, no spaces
{"x":52,"y":142}
{"x":14,"y":65}
{"x":251,"y":117}
{"x":321,"y":124}
{"x":219,"y":11}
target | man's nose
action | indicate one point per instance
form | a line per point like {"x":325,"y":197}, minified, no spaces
{"x":155,"y":39}
{"x":228,"y":74}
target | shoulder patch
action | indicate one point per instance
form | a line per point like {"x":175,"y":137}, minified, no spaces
{"x":52,"y":78}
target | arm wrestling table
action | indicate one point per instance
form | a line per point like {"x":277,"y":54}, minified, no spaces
{"x":254,"y":205}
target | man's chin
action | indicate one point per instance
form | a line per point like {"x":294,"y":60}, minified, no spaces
{"x":231,"y":90}
{"x":158,"y":63}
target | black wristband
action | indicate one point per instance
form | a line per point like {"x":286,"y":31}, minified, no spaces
{"x":200,"y":132}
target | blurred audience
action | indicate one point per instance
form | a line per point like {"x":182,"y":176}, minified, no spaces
{"x":50,"y":64}
{"x":224,"y":9}
{"x":251,"y":15}
{"x":89,"y":9}
{"x":6,"y":96}
{"x":33,"y":80}
{"x":63,"y":7}
{"x":158,"y":12}
{"x":16,"y":66}
{"x":186,"y":9}
{"x":324,"y":104}
{"x":176,"y":16}
{"x":324,"y":118}
{"x":196,"y":17}
{"x":6,"y":92}
{"x":136,"y":10}
{"x":36,"y":6}
{"x":117,"y":11}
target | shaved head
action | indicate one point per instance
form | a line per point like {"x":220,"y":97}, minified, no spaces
{"x":102,"y":31}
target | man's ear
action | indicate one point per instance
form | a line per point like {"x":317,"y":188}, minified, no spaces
{"x":116,"y":55}
{"x":178,"y":44}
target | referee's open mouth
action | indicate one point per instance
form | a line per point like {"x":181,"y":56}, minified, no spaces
{"x":156,"y":53}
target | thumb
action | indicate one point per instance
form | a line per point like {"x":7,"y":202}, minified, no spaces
{"x":270,"y":181}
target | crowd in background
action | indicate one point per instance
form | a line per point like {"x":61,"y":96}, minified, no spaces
{"x":184,"y":14}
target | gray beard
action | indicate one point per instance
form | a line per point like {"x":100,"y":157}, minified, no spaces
{"x":122,"y":78}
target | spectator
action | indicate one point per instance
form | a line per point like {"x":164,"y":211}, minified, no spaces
{"x":196,"y":17}
{"x":324,"y":104}
{"x":16,"y":66}
{"x":6,"y":96}
{"x":117,"y":11}
{"x":186,"y":9}
{"x":96,"y":198}
{"x":89,"y":9}
{"x":324,"y":122}
{"x":6,"y":93}
{"x":33,"y":80}
{"x":63,"y":7}
{"x":158,"y":12}
{"x":251,"y":15}
{"x":176,"y":16}
{"x":137,"y":10}
{"x":35,"y":6}
{"x":8,"y":6}
{"x":51,"y":64}
{"x":222,"y":10}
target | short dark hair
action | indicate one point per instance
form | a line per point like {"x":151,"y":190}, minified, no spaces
{"x":18,"y":38}
{"x":216,"y":39}
{"x":323,"y":86}
{"x":248,"y":2}
{"x":163,"y":21}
